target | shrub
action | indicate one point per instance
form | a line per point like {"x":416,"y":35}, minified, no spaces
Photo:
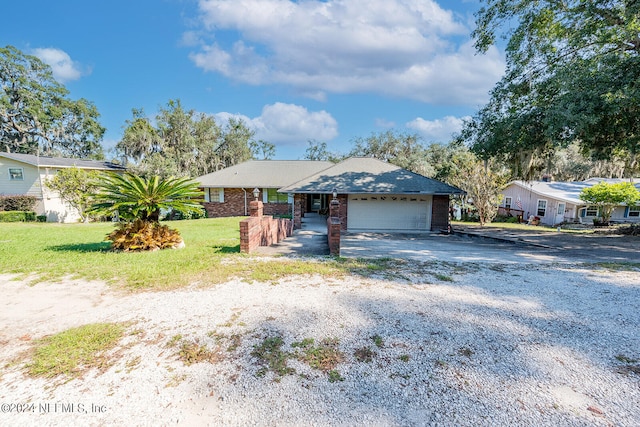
{"x":506,"y":218}
{"x":17,"y":203}
{"x":142,"y":235}
{"x":41,"y":218}
{"x":17,"y":216}
{"x":177,"y":215}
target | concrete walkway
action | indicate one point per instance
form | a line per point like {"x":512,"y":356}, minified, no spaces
{"x":311,"y":239}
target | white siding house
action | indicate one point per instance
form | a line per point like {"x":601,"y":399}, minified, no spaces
{"x":26,"y":174}
{"x":557,"y":202}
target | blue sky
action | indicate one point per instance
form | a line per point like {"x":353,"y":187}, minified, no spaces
{"x":292,"y":70}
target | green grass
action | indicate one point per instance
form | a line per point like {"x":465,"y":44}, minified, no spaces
{"x":193,"y":352}
{"x":378,"y":341}
{"x":272,"y":357}
{"x":212,"y":255}
{"x":73,"y":351}
{"x":617,"y":266}
{"x":323,"y":356}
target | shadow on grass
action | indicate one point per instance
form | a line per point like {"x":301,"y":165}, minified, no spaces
{"x":82,"y":247}
{"x":227,"y":249}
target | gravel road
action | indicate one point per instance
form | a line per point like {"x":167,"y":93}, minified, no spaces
{"x":432,"y":343}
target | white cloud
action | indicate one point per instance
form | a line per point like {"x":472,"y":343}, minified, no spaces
{"x":287,"y":124}
{"x":401,"y":48}
{"x":63,"y":67}
{"x":439,"y":130}
{"x":385,"y":124}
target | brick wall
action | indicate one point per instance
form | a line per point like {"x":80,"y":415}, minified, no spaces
{"x":440,"y":213}
{"x":259,"y":230}
{"x":274,"y":230}
{"x":277,"y":209}
{"x":250,"y":234}
{"x":234,"y":205}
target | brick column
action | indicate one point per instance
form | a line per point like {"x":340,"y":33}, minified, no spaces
{"x":333,"y":227}
{"x":297,"y":213}
{"x":256,"y":208}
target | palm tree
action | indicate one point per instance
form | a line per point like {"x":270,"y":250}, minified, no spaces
{"x":139,"y":201}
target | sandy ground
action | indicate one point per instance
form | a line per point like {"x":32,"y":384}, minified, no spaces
{"x":464,"y":344}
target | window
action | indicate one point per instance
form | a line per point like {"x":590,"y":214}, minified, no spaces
{"x":542,"y":208}
{"x":16,"y":174}
{"x":274,"y":197}
{"x":591,"y":211}
{"x":214,"y":195}
{"x":634,"y":211}
{"x":507,"y":202}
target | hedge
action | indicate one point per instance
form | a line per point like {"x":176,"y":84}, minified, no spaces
{"x":17,"y":203}
{"x":17,"y":216}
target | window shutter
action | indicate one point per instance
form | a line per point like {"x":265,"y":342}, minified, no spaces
{"x":221,"y":192}
{"x":626,"y":212}
{"x":207,"y":196}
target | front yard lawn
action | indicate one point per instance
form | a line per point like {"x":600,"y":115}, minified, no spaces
{"x":212,"y":255}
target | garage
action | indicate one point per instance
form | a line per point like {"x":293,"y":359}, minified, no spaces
{"x":394,"y":212}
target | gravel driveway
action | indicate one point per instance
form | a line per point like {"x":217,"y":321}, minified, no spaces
{"x":423,"y":342}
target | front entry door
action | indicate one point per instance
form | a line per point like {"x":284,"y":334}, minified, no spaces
{"x":560,"y":213}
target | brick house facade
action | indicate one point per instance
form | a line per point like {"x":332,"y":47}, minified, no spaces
{"x":382,"y":196}
{"x":236,"y":203}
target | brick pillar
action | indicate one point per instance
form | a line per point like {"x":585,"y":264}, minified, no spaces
{"x":256,"y":208}
{"x":334,"y":208}
{"x":297,"y":214}
{"x":440,"y":213}
{"x":333,"y":227}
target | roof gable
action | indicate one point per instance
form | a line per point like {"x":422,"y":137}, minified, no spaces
{"x":366,"y":175}
{"x":61,"y":162}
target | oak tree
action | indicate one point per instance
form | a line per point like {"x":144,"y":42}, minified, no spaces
{"x":573,"y":74}
{"x":36,"y":113}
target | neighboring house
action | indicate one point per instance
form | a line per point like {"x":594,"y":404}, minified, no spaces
{"x":374,"y":195}
{"x":26,"y":174}
{"x":558,"y":202}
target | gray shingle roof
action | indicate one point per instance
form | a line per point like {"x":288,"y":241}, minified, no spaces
{"x":364,"y":175}
{"x":566,"y":191}
{"x":262,"y":173}
{"x":61,"y":162}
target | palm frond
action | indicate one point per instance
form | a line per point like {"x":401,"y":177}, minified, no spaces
{"x":134,"y":197}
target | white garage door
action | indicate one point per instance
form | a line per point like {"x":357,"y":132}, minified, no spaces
{"x":392,"y":212}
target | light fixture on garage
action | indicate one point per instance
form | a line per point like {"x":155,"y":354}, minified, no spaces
{"x":256,"y":193}
{"x":335,"y":193}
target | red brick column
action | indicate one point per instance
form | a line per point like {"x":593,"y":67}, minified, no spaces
{"x":297,"y":212}
{"x":333,"y":227}
{"x":251,"y":228}
{"x":256,"y":208}
{"x":440,"y":213}
{"x":250,"y":234}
